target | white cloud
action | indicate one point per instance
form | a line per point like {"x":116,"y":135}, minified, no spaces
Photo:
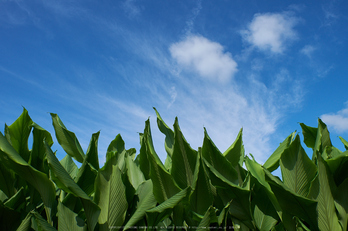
{"x":130,"y":8}
{"x":271,"y":31}
{"x":195,"y":13}
{"x":338,"y":121}
{"x":308,"y":50}
{"x":205,"y":57}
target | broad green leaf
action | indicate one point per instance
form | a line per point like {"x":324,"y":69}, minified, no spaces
{"x":264,"y":214}
{"x":16,"y":200}
{"x":227,"y":191}
{"x":149,"y":144}
{"x":258,"y":172}
{"x":272,"y":163}
{"x":117,"y":153}
{"x":64,"y":181}
{"x":293,"y":203}
{"x":222,"y":218}
{"x":309,"y":135}
{"x":323,"y":189}
{"x":7,"y":180}
{"x":163,"y":210}
{"x":70,"y":166}
{"x":183,"y":159}
{"x":67,"y":139}
{"x":40,"y":224}
{"x":208,"y":218}
{"x":38,"y":153}
{"x":18,"y":133}
{"x":214,"y":157}
{"x":298,"y":171}
{"x":164,"y":186}
{"x":25,"y":224}
{"x":68,"y":220}
{"x":39,"y":180}
{"x":300,"y":225}
{"x":169,"y":140}
{"x":142,"y":159}
{"x":235,"y":153}
{"x":338,"y":166}
{"x":88,"y":170}
{"x":345,"y":143}
{"x":330,"y":152}
{"x":92,"y":151}
{"x":320,"y":136}
{"x":323,"y":137}
{"x":136,"y":177}
{"x":111,"y":197}
{"x":202,"y":196}
{"x":341,"y":203}
{"x":146,"y":202}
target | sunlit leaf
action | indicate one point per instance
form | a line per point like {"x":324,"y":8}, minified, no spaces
{"x":67,"y":139}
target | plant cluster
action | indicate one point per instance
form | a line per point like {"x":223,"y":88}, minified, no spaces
{"x":194,"y":189}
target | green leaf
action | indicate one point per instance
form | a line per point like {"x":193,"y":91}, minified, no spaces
{"x":16,"y":200}
{"x":40,"y":224}
{"x":38,"y":153}
{"x":293,"y":203}
{"x":316,"y":138}
{"x":338,"y":166}
{"x":146,"y":202}
{"x":18,"y":133}
{"x":227,"y":191}
{"x":169,"y":140}
{"x":298,"y":171}
{"x":68,"y":220}
{"x":341,"y":203}
{"x":88,"y":170}
{"x":26,"y":223}
{"x":7,"y":180}
{"x":142,"y":159}
{"x":70,"y":166}
{"x":164,"y":186}
{"x":214,"y":157}
{"x":258,"y":172}
{"x":264,"y":214}
{"x":209,"y":217}
{"x":37,"y":179}
{"x":64,"y":181}
{"x":183,"y":159}
{"x":309,"y":135}
{"x":272,"y":163}
{"x":323,"y":189}
{"x":136,"y":177}
{"x":345,"y":143}
{"x":92,"y":151}
{"x":67,"y":139}
{"x":160,"y":212}
{"x":235,"y":153}
{"x":202,"y":196}
{"x":111,"y":197}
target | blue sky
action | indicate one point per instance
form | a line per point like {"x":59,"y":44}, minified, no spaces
{"x":223,"y":65}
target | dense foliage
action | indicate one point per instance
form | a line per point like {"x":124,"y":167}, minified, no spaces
{"x":193,"y":189}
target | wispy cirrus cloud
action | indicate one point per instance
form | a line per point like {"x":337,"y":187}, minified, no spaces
{"x":308,"y":50}
{"x":271,"y":31}
{"x":205,"y":57}
{"x":131,"y":9}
